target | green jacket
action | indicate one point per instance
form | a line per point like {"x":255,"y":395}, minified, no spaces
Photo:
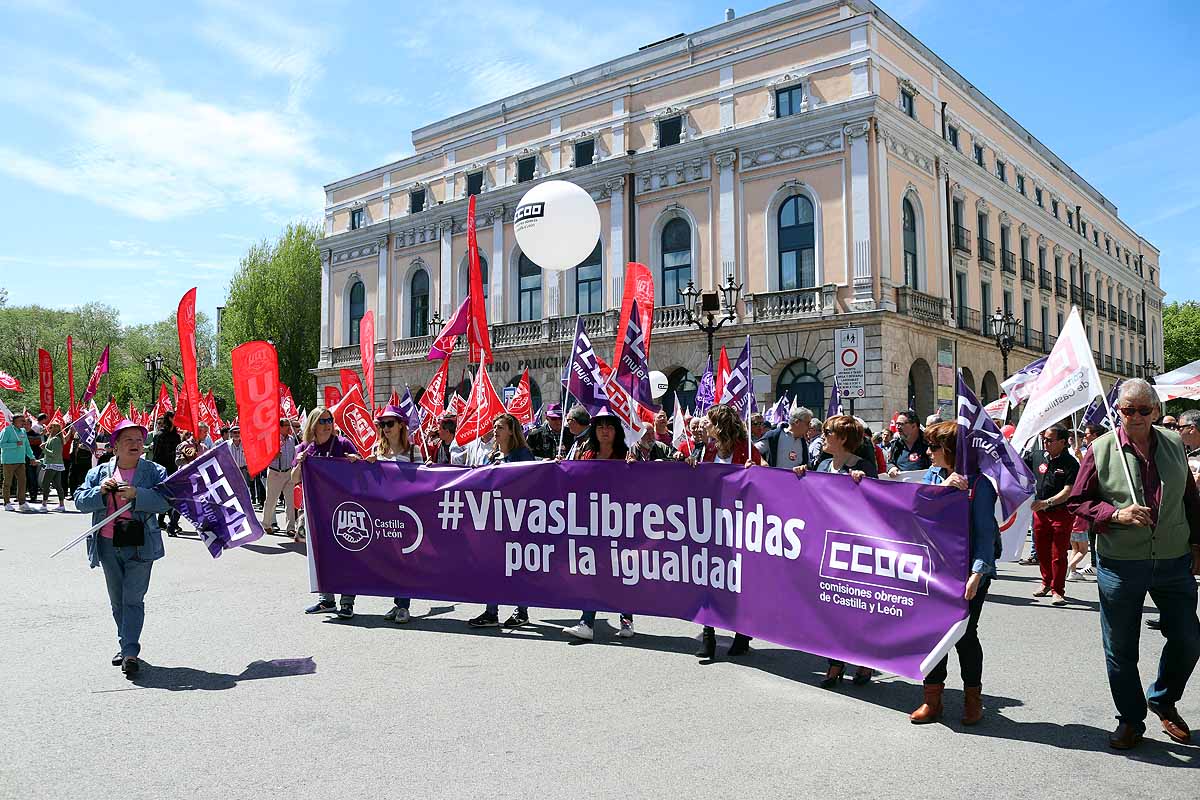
{"x":1168,"y":539}
{"x":14,"y":445}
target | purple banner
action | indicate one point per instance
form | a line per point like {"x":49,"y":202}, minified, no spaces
{"x":871,"y":573}
{"x":211,"y":492}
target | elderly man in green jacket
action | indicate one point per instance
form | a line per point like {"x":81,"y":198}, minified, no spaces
{"x":14,"y":449}
{"x":1135,"y":490}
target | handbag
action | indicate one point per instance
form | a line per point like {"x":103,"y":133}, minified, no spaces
{"x":129,"y":533}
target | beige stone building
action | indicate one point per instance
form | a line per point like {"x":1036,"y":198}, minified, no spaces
{"x":840,"y":171}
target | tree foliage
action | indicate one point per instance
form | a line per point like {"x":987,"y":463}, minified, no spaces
{"x":276,"y":296}
{"x":1181,"y":342}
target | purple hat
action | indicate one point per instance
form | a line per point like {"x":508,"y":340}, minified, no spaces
{"x":126,"y":424}
{"x":553,"y":411}
{"x":393,"y":411}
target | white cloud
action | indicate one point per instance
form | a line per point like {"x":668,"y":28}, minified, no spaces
{"x":377,"y":96}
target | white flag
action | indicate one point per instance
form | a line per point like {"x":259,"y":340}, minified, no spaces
{"x":1014,"y":530}
{"x":1066,"y":384}
{"x":1183,"y":382}
{"x":678,"y":425}
{"x":998,"y":409}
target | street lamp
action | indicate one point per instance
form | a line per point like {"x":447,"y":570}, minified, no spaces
{"x":1148,"y":368}
{"x":701,"y":308}
{"x":153,"y":365}
{"x":1004,"y":328}
{"x":436,"y":323}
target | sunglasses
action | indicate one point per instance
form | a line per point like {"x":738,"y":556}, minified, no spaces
{"x":1171,"y":426}
{"x":1129,"y":411}
{"x":325,"y":421}
{"x":387,"y":423}
{"x":1050,"y":439}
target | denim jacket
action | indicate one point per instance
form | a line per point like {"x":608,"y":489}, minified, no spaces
{"x":982,"y":515}
{"x":148,"y":503}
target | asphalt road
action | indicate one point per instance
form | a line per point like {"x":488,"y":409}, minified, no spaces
{"x":243,"y":696}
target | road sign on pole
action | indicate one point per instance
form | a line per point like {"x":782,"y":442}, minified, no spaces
{"x":850,"y":362}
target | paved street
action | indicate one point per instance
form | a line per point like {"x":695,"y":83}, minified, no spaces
{"x":244,"y":696}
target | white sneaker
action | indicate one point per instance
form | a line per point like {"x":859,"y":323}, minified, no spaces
{"x":579,"y":631}
{"x":60,"y":507}
{"x":1088,"y":571}
{"x":626,"y":631}
{"x":11,"y":507}
{"x":42,"y":509}
{"x":1072,"y":575}
{"x":25,"y":508}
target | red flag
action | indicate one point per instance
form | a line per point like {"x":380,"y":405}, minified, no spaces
{"x":287,"y":406}
{"x":639,"y":286}
{"x":722,"y":374}
{"x":210,"y":402}
{"x":71,"y":407}
{"x":366,"y":354}
{"x":456,"y":405}
{"x":185,"y":319}
{"x":164,"y":402}
{"x":477,"y":333}
{"x":93,"y":384}
{"x":354,"y":420}
{"x":605,"y":370}
{"x":350,"y":378}
{"x":394,"y":398}
{"x":205,"y":415}
{"x":133,"y":413}
{"x":521,"y":405}
{"x":482,"y":408}
{"x":58,"y":417}
{"x":433,"y":399}
{"x":110,"y":416}
{"x":9,"y":382}
{"x":332,"y":395}
{"x":445,"y":342}
{"x":256,"y":391}
{"x":185,"y":418}
{"x":46,"y":382}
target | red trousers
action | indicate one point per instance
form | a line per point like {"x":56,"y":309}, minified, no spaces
{"x":1052,"y":538}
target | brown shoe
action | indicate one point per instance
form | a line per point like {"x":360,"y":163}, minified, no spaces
{"x":1125,"y":737}
{"x":972,"y":705}
{"x":931,"y":709}
{"x":1173,"y":724}
{"x":1042,"y":592}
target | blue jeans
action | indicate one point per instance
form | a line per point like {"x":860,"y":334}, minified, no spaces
{"x":589,"y":618}
{"x":128,"y":578}
{"x":1123,"y":587}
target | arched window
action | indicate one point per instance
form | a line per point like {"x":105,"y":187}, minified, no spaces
{"x":682,"y":383}
{"x":797,"y":248}
{"x":801,"y":382}
{"x":529,"y":290}
{"x":676,"y":260}
{"x":465,"y":283}
{"x":969,"y":379}
{"x":418,"y":304}
{"x":990,"y":388}
{"x":920,"y":388}
{"x":589,"y":282}
{"x":358,"y":308}
{"x":910,"y":245}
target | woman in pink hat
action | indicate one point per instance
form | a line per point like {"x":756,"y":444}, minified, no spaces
{"x":393,"y":445}
{"x":127,"y":547}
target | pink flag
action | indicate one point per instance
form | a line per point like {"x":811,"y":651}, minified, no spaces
{"x":93,"y":384}
{"x":443,"y":346}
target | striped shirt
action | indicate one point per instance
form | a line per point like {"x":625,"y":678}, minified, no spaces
{"x":287,"y":454}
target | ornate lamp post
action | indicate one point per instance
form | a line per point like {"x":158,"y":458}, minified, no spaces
{"x":1004,"y":328}
{"x":153,"y":365}
{"x":436,"y":323}
{"x":1148,"y":369}
{"x":702,"y":308}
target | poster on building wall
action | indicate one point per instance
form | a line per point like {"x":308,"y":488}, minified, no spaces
{"x":946,"y":383}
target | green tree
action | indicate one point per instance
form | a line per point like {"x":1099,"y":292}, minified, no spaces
{"x":1181,"y":343}
{"x":275,"y":296}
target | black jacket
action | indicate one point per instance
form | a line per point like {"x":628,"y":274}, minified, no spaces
{"x":163,"y":453}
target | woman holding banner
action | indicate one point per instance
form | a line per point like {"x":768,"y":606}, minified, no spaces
{"x":510,"y":448}
{"x":605,"y":442}
{"x":728,"y":445}
{"x":127,"y":546}
{"x":392,"y":445}
{"x":984,"y":536}
{"x":52,"y":466}
{"x":319,"y":441}
{"x":843,"y":436}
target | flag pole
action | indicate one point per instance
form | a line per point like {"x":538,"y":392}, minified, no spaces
{"x":1112,"y":421}
{"x":566,"y":391}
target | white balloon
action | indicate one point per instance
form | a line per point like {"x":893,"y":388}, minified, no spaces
{"x":658,"y":384}
{"x":557,"y":225}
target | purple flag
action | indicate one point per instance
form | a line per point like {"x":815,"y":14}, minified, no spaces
{"x":212,"y":493}
{"x":740,"y":386}
{"x":1097,"y":414}
{"x":1017,"y":385}
{"x":584,"y":381}
{"x":705,"y":390}
{"x":410,"y":409}
{"x":982,"y":449}
{"x":872,"y":572}
{"x":632,"y":371}
{"x":835,"y":400}
{"x":778,"y":413}
{"x":86,"y":426}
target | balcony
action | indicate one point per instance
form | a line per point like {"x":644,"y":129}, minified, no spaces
{"x":1133,"y":323}
{"x":987,"y":250}
{"x":772,"y":306}
{"x":1060,"y":287}
{"x":1026,"y":270}
{"x":962,"y":239}
{"x":1123,"y":318}
{"x":1045,"y":282}
{"x":919,"y":305}
{"x":1036,"y":340}
{"x":1108,"y":363}
{"x":1076,"y":295}
{"x":348,"y":355}
{"x":967,"y":319}
{"x":1101,"y":307}
{"x":1142,"y":326}
{"x":1089,"y":301}
{"x":1008,"y":262}
{"x":1050,"y":341}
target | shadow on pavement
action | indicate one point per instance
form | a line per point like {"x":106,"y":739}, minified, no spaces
{"x":182,"y":679}
{"x":282,"y":547}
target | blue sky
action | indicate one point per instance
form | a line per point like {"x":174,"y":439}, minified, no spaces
{"x":145,"y":147}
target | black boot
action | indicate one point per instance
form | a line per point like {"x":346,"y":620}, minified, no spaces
{"x":708,"y":647}
{"x":740,"y":646}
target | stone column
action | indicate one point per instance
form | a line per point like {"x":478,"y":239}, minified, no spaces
{"x":498,"y":268}
{"x":326,"y":308}
{"x":616,"y":240}
{"x":729,"y":263}
{"x":382,"y":300}
{"x":445,"y":233}
{"x":938,"y":266}
{"x":860,"y":219}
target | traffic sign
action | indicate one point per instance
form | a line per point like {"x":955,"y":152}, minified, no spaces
{"x":850,"y":362}
{"x":509,"y":393}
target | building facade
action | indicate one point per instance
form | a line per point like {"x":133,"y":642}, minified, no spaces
{"x":840,"y":171}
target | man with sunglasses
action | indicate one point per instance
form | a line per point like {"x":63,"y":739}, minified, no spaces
{"x":1170,"y":423}
{"x":1136,"y":490}
{"x":1055,"y":470}
{"x":909,"y":450}
{"x":279,"y":481}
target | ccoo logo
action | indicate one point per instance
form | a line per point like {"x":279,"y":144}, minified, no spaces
{"x":352,"y":527}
